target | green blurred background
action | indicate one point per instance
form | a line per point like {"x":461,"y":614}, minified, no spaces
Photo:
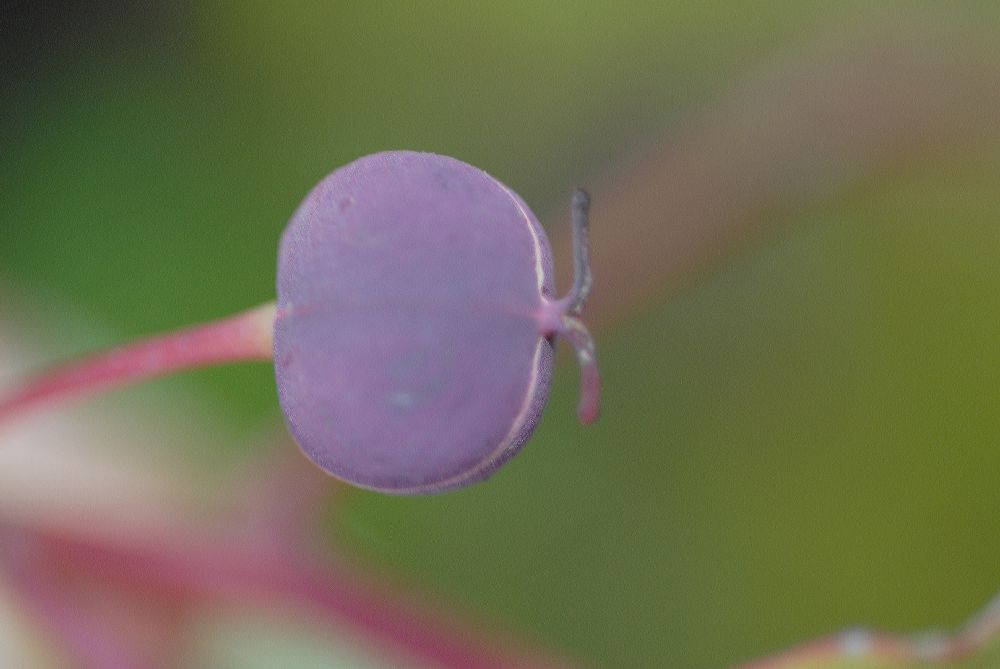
{"x":797,"y":436}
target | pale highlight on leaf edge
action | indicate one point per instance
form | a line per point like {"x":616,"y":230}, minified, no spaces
{"x":973,"y":643}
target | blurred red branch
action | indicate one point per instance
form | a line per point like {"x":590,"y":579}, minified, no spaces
{"x":70,"y":622}
{"x":803,"y":128}
{"x":260,"y":558}
{"x":212,"y":568}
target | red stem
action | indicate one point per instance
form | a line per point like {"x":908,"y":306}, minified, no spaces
{"x":245,"y":336}
{"x":248,"y":573}
{"x":80,"y":634}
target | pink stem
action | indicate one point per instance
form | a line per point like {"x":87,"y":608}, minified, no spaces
{"x":576,"y":333}
{"x":247,"y":573}
{"x":82,"y":636}
{"x":245,"y":336}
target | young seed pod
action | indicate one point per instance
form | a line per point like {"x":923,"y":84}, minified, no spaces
{"x":413,"y":335}
{"x":413,"y":343}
